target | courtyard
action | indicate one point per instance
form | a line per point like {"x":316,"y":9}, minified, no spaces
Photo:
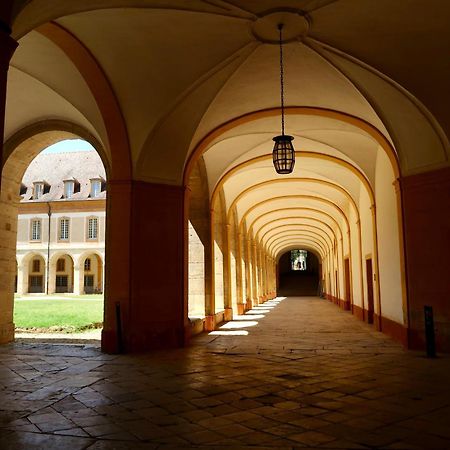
{"x":65,"y":317}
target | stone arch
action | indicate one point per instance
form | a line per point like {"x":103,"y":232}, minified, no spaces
{"x":61,"y":279}
{"x":20,"y":150}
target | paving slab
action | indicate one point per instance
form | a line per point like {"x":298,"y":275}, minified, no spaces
{"x":294,"y":373}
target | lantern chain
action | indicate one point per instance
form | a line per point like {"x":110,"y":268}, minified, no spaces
{"x":280,"y":28}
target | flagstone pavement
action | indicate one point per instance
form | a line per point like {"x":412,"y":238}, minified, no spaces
{"x":292,"y":373}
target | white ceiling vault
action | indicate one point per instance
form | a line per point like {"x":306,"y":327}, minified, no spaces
{"x":361,"y":77}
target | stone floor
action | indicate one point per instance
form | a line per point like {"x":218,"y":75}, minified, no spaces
{"x":293,"y":373}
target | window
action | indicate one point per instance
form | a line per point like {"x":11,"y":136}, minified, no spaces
{"x":87,"y":264}
{"x":61,"y":265}
{"x":36,"y":229}
{"x":62,"y":281}
{"x":92,"y":229}
{"x":96,"y":187}
{"x":38,"y":190}
{"x":36,"y":265}
{"x":23,"y":189}
{"x":69,"y":188}
{"x":63,"y":229}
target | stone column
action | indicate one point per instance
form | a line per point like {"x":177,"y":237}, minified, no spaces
{"x":51,"y":267}
{"x":239,"y":275}
{"x":248,"y":275}
{"x":255,"y":292}
{"x":8,"y":209}
{"x":22,"y":283}
{"x":78,"y":279}
{"x":228,"y":315}
{"x":210,"y":281}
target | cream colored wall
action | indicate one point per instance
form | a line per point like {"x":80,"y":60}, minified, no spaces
{"x":196,"y":293}
{"x":367,"y":242}
{"x":388,"y":241}
{"x":356,"y":262}
{"x":77,"y":231}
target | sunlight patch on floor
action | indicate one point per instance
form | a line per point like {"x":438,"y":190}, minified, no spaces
{"x":232,"y":328}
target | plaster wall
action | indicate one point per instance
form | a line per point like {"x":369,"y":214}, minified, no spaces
{"x":367,"y":241}
{"x":388,"y":241}
{"x":358,"y":296}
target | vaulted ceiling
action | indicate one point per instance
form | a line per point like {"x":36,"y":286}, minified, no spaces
{"x":178,"y":71}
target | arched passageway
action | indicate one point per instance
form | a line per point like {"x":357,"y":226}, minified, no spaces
{"x":197,"y":217}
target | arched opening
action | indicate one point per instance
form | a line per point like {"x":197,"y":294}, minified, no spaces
{"x":54,"y":193}
{"x":92,"y":274}
{"x":299,"y":273}
{"x":35,"y":281}
{"x":61,"y":274}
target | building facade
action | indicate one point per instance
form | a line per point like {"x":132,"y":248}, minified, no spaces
{"x":61,"y":225}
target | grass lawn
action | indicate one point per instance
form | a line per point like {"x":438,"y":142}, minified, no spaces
{"x":70,"y":313}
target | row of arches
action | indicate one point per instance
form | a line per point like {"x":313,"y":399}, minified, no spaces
{"x":333,"y":205}
{"x":62,"y":273}
{"x":242,"y":230}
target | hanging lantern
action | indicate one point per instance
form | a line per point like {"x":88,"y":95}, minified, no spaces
{"x":283,"y":154}
{"x":283,"y":150}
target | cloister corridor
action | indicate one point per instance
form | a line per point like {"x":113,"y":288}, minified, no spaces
{"x":307,"y":375}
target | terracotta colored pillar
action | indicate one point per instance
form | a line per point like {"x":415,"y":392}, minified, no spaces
{"x":158,"y":306}
{"x":426,"y":220}
{"x":145,"y":301}
{"x":117,"y":266}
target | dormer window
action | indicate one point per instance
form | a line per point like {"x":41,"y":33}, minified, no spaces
{"x":38,"y":190}
{"x":69,"y":188}
{"x":96,"y":187}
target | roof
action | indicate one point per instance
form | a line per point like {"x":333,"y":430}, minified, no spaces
{"x":54,"y":168}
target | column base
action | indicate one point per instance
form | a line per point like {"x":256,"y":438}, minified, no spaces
{"x":7,"y":333}
{"x":109,"y":341}
{"x":241,"y":308}
{"x":248,"y":305}
{"x":210,"y":322}
{"x":228,"y":314}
